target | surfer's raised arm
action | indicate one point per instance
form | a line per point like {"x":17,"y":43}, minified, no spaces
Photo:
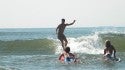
{"x":71,"y":23}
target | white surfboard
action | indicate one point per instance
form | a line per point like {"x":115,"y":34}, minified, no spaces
{"x":106,"y":58}
{"x":109,"y":57}
{"x":117,"y":59}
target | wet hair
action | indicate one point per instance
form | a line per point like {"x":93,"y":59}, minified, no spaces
{"x":67,"y":49}
{"x":107,"y":43}
{"x":63,"y":20}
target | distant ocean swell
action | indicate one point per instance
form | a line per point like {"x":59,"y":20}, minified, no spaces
{"x":93,"y":44}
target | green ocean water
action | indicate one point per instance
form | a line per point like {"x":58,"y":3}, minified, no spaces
{"x":118,"y":40}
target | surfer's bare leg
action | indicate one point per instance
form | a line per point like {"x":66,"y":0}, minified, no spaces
{"x":66,"y":42}
{"x":62,"y":42}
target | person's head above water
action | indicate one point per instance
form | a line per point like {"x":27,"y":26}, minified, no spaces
{"x":107,"y":43}
{"x":67,"y":49}
{"x":63,"y":21}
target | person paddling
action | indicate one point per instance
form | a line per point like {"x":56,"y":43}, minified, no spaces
{"x":109,"y":51}
{"x":67,"y":57}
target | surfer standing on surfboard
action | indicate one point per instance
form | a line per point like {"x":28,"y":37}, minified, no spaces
{"x":108,"y":51}
{"x":60,"y":31}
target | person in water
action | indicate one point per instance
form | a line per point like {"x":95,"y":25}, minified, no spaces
{"x":109,"y":50}
{"x":67,"y":56}
{"x":60,"y":31}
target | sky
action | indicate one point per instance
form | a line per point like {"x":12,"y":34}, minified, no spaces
{"x":48,"y":13}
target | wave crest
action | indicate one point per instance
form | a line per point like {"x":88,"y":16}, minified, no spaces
{"x":84,"y":44}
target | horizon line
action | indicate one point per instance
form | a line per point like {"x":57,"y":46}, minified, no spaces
{"x":55,"y":27}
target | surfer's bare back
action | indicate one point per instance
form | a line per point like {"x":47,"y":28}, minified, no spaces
{"x":60,"y":31}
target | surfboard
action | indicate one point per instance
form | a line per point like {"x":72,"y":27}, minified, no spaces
{"x":117,"y":59}
{"x":68,"y":60}
{"x":107,"y":58}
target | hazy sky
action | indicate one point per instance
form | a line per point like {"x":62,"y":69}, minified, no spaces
{"x":48,"y":13}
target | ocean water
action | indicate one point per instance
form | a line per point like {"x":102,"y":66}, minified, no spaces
{"x":39,"y":48}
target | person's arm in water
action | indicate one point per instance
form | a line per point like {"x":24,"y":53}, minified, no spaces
{"x":114,"y":51}
{"x":73,"y":56}
{"x":71,"y":23}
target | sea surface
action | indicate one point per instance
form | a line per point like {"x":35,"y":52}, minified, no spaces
{"x":39,"y":48}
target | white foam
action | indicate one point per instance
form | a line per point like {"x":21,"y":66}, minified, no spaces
{"x":84,"y":44}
